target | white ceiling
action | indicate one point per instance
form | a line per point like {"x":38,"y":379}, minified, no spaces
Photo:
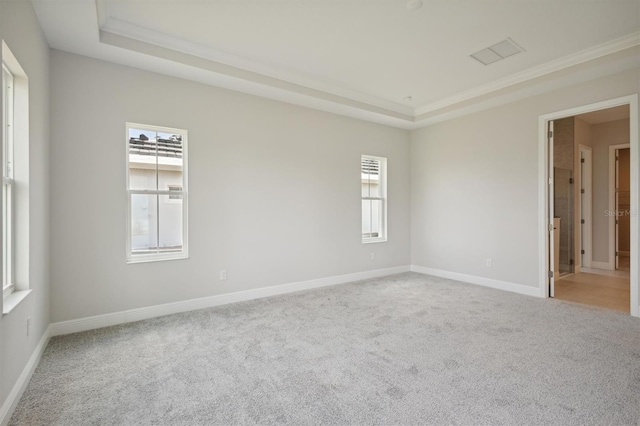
{"x":355,"y":57}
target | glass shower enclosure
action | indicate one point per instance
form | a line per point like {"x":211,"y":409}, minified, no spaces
{"x":563,"y":206}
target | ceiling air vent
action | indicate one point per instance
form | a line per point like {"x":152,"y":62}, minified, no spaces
{"x":497,"y":52}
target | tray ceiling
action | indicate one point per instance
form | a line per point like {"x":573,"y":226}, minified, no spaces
{"x":375,"y":60}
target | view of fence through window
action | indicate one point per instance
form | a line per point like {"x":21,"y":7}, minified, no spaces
{"x":155,"y":191}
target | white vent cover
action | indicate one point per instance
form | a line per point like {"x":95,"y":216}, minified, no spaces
{"x":497,"y":52}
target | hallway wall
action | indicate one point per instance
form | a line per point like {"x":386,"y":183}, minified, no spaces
{"x":603,"y":136}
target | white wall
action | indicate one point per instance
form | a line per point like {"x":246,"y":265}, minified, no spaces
{"x":20,"y":29}
{"x":474,"y":184}
{"x":274,"y":190}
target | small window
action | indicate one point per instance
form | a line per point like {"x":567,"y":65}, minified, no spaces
{"x":174,"y":198}
{"x":175,"y":188}
{"x":156,"y":187}
{"x":8,"y":186}
{"x":374,"y":204}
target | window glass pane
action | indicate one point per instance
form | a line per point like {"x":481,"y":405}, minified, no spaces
{"x":6,"y":235}
{"x":144,"y":223}
{"x":374,"y":185}
{"x":366,"y":218}
{"x":370,"y":171}
{"x":169,"y":160}
{"x":142,"y":159}
{"x":7,"y":126}
{"x":365,"y":184}
{"x":170,"y":223}
{"x":376,"y":218}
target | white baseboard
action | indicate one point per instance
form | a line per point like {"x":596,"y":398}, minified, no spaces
{"x":21,"y":384}
{"x":601,"y":265}
{"x":486,"y":282}
{"x":106,"y":320}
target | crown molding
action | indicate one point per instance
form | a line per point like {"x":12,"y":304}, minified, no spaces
{"x":586,"y":55}
{"x":189,"y":67}
{"x":615,"y":63}
{"x":229,"y":71}
{"x":235,"y":63}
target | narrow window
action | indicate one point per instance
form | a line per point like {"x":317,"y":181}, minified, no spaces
{"x":157,"y":191}
{"x":374,"y":204}
{"x":7,"y":181}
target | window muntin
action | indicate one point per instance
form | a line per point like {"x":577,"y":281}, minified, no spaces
{"x":8,"y":186}
{"x":157,"y":196}
{"x":374,"y":206}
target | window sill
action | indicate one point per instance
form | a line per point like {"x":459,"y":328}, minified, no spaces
{"x":156,"y":259}
{"x":377,"y":240}
{"x":13,"y":300}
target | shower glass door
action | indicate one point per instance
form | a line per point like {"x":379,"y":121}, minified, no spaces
{"x":564,"y":209}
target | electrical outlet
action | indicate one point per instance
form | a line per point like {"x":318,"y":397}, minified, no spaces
{"x":223,"y":275}
{"x":28,"y":325}
{"x":489,"y":263}
{"x":373,"y":256}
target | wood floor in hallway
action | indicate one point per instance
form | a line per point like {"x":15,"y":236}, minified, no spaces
{"x":598,"y":290}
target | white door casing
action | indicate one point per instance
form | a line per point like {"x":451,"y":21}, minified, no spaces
{"x":544,"y":157}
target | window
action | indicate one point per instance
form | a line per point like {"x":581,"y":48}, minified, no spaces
{"x":7,"y":181}
{"x":374,"y":191}
{"x":157,"y":191}
{"x":15,"y":181}
{"x":174,"y":188}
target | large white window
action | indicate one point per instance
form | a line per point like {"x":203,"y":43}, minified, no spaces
{"x":157,"y":191}
{"x":373,"y":171}
{"x":7,"y":181}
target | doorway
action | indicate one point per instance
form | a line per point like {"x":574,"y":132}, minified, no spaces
{"x":588,"y":203}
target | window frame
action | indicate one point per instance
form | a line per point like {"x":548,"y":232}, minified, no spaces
{"x":158,"y":257}
{"x":383,"y":198}
{"x":8,"y":184}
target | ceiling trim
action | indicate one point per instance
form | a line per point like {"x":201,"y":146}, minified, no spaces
{"x":229,"y":71}
{"x":586,"y":55}
{"x":136,"y":32}
{"x":249,"y":82}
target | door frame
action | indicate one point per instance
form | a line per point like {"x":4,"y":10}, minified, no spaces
{"x":544,"y":189}
{"x":586,"y":205}
{"x":612,"y":203}
{"x":551,"y":228}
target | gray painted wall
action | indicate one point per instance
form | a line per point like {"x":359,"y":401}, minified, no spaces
{"x":274,"y":190}
{"x":21,"y":31}
{"x":474,"y":184}
{"x":603,"y":135}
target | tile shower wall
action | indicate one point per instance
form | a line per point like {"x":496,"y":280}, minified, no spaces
{"x":563,"y":152}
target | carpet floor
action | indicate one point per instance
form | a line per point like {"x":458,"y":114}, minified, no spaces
{"x":405,"y":349}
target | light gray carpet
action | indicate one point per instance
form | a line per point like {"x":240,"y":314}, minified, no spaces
{"x":406,"y":349}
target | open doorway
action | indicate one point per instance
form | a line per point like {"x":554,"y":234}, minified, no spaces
{"x":590,"y":216}
{"x":592,"y":202}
